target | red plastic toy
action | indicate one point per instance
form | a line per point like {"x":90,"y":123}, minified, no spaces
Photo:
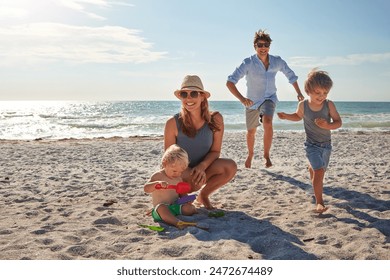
{"x":181,"y":187}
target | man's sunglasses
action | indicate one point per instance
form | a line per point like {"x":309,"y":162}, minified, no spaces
{"x":193,"y":94}
{"x":260,"y":45}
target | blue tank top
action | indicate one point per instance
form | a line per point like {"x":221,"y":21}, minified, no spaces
{"x":315,"y":134}
{"x":197,"y":147}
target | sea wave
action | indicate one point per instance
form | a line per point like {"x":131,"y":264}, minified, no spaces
{"x":56,"y":120}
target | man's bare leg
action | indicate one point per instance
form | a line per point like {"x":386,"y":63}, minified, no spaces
{"x":267,"y":139}
{"x":250,"y":142}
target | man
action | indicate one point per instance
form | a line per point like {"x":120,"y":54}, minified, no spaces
{"x":260,"y":71}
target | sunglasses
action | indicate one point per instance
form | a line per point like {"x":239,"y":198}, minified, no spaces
{"x":260,"y":45}
{"x":193,"y":94}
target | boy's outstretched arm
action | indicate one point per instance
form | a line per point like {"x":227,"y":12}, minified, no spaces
{"x":297,"y":116}
{"x":150,"y":186}
{"x":290,"y":117}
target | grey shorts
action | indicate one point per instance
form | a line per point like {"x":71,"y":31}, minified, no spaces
{"x":253,"y":115}
{"x":318,"y":155}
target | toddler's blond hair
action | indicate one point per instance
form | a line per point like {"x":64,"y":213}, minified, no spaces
{"x":174,"y":154}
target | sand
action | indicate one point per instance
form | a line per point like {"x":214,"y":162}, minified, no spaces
{"x":83,"y":199}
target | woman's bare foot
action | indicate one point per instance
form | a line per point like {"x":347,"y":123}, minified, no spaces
{"x":268,"y":162}
{"x":248,"y":162}
{"x":204,"y":200}
{"x":320,"y":209}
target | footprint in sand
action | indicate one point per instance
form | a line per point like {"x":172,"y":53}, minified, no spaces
{"x":77,"y":250}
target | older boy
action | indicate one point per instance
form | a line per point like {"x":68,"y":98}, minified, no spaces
{"x":320,"y":116}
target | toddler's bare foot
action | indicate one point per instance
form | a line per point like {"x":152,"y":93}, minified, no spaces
{"x":248,"y":162}
{"x":204,"y":200}
{"x":320,"y":209}
{"x":268,"y":162}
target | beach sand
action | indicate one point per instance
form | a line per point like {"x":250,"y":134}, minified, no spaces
{"x":53,"y":196}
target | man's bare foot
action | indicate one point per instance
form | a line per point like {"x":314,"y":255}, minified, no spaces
{"x":205,"y":202}
{"x":268,"y":162}
{"x":248,"y":162}
{"x":320,"y":209}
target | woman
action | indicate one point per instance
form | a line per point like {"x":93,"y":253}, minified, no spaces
{"x":199,"y":132}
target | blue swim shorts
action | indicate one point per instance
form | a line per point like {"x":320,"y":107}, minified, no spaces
{"x":318,"y":154}
{"x":175,"y":209}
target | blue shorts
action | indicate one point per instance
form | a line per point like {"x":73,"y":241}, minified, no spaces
{"x":254,"y":116}
{"x":318,"y":154}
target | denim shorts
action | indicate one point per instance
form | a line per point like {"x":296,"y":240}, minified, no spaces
{"x":253,"y":115}
{"x":318,"y":154}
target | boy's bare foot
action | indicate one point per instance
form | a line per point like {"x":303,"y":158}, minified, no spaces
{"x":320,"y":209}
{"x":205,"y":202}
{"x":268,"y":162}
{"x":248,"y":162}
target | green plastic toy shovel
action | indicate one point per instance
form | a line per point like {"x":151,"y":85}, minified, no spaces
{"x":155,"y":228}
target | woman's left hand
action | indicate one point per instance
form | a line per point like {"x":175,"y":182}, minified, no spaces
{"x":198,"y":176}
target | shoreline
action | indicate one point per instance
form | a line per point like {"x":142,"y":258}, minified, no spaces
{"x":54,"y":193}
{"x":160,"y":137}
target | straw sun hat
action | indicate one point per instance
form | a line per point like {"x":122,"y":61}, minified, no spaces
{"x":192,"y":82}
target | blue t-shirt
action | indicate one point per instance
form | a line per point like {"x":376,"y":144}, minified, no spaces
{"x":260,"y":82}
{"x":199,"y":146}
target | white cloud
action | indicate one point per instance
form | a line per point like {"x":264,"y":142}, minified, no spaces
{"x":79,"y":3}
{"x":38,"y":42}
{"x":12,"y":13}
{"x":18,"y":9}
{"x":353,"y":59}
{"x":52,"y":42}
{"x":80,"y":6}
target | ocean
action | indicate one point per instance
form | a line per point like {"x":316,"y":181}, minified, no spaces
{"x":28,"y":120}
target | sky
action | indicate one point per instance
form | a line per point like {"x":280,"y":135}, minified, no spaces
{"x":142,"y":49}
